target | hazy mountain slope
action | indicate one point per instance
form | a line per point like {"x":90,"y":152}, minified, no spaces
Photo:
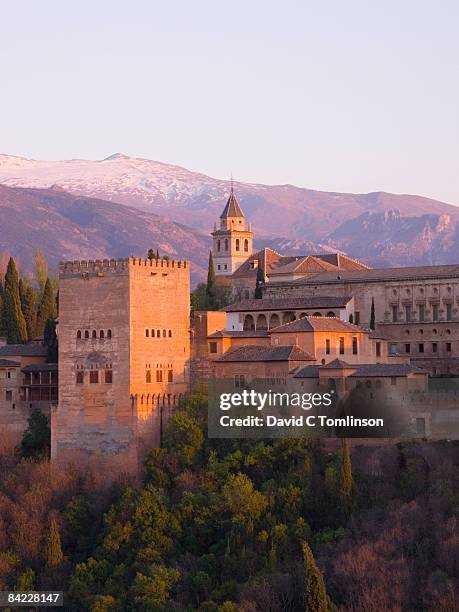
{"x":66,"y":226}
{"x":197,"y":200}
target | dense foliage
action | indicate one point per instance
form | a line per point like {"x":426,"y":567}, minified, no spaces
{"x":220,"y":525}
{"x":28,"y":307}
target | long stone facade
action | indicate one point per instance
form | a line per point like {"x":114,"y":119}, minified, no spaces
{"x":124,"y":350}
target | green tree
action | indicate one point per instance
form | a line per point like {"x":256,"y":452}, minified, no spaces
{"x":28,"y":307}
{"x":50,"y":341}
{"x":372,"y":315}
{"x":54,"y":555}
{"x":186,"y":437}
{"x":153,"y":590}
{"x":14,"y":323}
{"x":316,"y":595}
{"x":25,"y":580}
{"x":244,"y":503}
{"x":46,"y":309}
{"x":346,"y":484}
{"x":103,"y":603}
{"x":151,"y":254}
{"x":211,"y":287}
{"x":37,"y":437}
{"x":259,"y":283}
{"x":41,"y":269}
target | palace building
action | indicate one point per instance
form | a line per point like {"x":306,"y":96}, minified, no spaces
{"x":415,"y":308}
{"x":123,"y":353}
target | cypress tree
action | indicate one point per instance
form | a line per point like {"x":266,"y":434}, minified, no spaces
{"x":316,"y":595}
{"x":50,"y":341}
{"x":372,"y":315}
{"x":346,"y":485}
{"x":54,"y":556}
{"x":28,"y":308}
{"x":25,"y":580}
{"x":16,"y":323}
{"x":10,"y":326}
{"x":157,"y":254}
{"x":210,"y":287}
{"x":46,"y":308}
{"x":259,"y":283}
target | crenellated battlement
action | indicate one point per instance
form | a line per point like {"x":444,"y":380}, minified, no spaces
{"x":113,"y":266}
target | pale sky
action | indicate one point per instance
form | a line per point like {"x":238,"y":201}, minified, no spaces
{"x":334,"y":95}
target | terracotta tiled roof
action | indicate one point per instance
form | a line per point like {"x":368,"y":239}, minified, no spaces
{"x":266,"y":353}
{"x":252,"y":333}
{"x":370,"y":370}
{"x":23,"y":350}
{"x":232,"y":208}
{"x":338,"y":364}
{"x":40,"y":367}
{"x":7,"y":363}
{"x":268,"y":258}
{"x":307,"y":324}
{"x":289,"y":303}
{"x":381,"y":274}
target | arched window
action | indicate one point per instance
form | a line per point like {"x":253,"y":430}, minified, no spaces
{"x":331,"y":314}
{"x":274,"y":321}
{"x":303,"y":315}
{"x":86,"y":334}
{"x":317,"y":314}
{"x":101,"y":334}
{"x":237,"y":244}
{"x":226,"y":244}
{"x":170,"y":376}
{"x":170,"y":333}
{"x":218,"y":246}
{"x":79,"y":334}
{"x":158,"y":333}
{"x":152,"y":333}
{"x":249,"y":323}
{"x":288,"y":317}
{"x":147,"y":333}
{"x":109,"y":333}
{"x":164,"y":333}
{"x":246,"y":245}
{"x":262,"y":322}
{"x":94,"y":333}
{"x":148,"y":376}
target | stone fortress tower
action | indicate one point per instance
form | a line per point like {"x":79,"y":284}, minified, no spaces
{"x":124,"y":349}
{"x":232,"y":241}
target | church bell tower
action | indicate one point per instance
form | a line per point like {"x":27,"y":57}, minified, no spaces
{"x":232,"y":241}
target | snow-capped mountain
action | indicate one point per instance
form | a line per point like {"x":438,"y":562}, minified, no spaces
{"x":282,"y":214}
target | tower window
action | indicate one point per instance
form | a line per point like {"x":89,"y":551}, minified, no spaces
{"x":108,"y":376}
{"x":246,"y":246}
{"x":170,"y":333}
{"x":147,"y":333}
{"x":86,"y":334}
{"x":94,"y":376}
{"x":164,"y":333}
{"x":148,"y":376}
{"x":79,"y":334}
{"x":101,"y":334}
{"x":218,"y":246}
{"x":170,"y":376}
{"x":109,"y":333}
{"x":354,"y":346}
{"x":327,"y":347}
{"x":159,"y":376}
{"x":341,"y":346}
{"x":94,"y":333}
{"x":226,"y":244}
{"x":79,"y":378}
{"x":237,"y":244}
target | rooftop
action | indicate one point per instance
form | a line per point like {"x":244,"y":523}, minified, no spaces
{"x":266,"y":353}
{"x":319,"y":324}
{"x":252,"y":333}
{"x":7,"y":363}
{"x":301,"y":303}
{"x":232,"y":208}
{"x":369,"y":370}
{"x":40,"y":367}
{"x":23,"y":350}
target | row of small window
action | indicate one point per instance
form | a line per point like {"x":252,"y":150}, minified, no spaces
{"x":422,"y":346}
{"x":237,"y":245}
{"x":160,"y":377}
{"x":150,"y":333}
{"x":93,"y":334}
{"x":95,"y":377}
{"x":341,"y":348}
{"x":422,"y":312}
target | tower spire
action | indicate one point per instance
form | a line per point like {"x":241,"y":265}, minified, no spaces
{"x":232,"y":184}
